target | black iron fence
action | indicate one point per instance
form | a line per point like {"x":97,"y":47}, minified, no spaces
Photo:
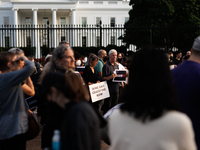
{"x":41,"y":39}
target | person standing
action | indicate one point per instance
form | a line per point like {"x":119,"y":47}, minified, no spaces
{"x":98,"y":68}
{"x":13,"y":111}
{"x":148,"y":120}
{"x":62,"y":61}
{"x":108,"y":75}
{"x":178,"y":59}
{"x":186,"y":78}
{"x":90,"y":77}
{"x":80,"y":128}
{"x":89,"y":74}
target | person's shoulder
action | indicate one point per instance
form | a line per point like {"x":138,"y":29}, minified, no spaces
{"x":81,"y":107}
{"x":178,"y":119}
{"x":87,"y":67}
{"x":117,"y":114}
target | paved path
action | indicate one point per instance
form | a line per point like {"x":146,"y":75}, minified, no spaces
{"x":35,"y":144}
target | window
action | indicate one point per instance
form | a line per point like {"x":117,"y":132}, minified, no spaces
{"x":98,"y":19}
{"x":6,"y":21}
{"x":45,"y":19}
{"x":28,"y":41}
{"x":98,"y":41}
{"x":112,"y":40}
{"x":28,"y":33}
{"x":84,"y":21}
{"x":84,"y":41}
{"x":126,"y":19}
{"x":62,"y":38}
{"x":62,"y":21}
{"x":28,"y":21}
{"x":7,"y":41}
{"x":112,"y":22}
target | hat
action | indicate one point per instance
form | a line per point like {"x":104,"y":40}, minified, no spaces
{"x":196,"y":44}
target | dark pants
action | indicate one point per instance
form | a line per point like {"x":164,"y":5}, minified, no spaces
{"x":17,"y":142}
{"x":97,"y":105}
{"x":110,"y":102}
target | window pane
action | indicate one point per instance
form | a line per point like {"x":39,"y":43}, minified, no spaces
{"x":112,"y":22}
{"x":98,"y":41}
{"x":62,"y":21}
{"x":6,"y":21}
{"x":45,"y":19}
{"x":98,"y":19}
{"x":7,"y":44}
{"x":84,"y":41}
{"x":84,"y":21}
{"x":28,"y":21}
{"x":112,"y":40}
{"x":28,"y":41}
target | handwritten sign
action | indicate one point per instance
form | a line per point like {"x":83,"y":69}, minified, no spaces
{"x":99,"y":91}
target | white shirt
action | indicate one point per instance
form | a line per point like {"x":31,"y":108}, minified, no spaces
{"x":172,"y":131}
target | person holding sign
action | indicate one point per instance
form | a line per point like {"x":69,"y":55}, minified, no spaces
{"x":108,"y":75}
{"x":90,"y":76}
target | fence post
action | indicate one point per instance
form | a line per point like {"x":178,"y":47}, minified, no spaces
{"x":100,"y":33}
{"x":48,"y":35}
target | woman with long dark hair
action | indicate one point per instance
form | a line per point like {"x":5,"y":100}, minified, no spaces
{"x":148,"y":118}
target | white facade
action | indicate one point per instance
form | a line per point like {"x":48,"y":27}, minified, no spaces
{"x":58,"y":12}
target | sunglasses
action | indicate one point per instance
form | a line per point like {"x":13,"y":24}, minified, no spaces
{"x":17,"y":51}
{"x":17,"y":61}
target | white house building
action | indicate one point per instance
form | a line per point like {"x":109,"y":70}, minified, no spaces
{"x":60,"y":13}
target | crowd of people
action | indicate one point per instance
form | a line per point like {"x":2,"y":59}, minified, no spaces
{"x":155,"y":108}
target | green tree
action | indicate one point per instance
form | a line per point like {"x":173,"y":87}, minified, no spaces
{"x":164,"y":23}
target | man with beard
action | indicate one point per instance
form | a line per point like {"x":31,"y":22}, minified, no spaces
{"x":98,"y":68}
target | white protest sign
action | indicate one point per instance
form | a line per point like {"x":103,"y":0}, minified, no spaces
{"x":99,"y":91}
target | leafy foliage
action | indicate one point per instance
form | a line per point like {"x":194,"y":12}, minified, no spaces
{"x":164,"y":23}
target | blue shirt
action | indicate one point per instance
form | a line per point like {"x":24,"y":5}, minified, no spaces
{"x":13,"y":111}
{"x":186,"y":79}
{"x":98,"y":68}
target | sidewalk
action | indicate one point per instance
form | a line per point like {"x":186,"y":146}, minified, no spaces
{"x":35,"y":144}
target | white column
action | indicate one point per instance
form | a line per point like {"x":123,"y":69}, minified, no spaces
{"x":35,"y":33}
{"x":15,"y":19}
{"x":54,"y":26}
{"x":73,"y":23}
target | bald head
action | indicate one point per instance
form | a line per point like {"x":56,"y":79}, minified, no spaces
{"x":102,"y":53}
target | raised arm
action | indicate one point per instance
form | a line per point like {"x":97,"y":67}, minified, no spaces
{"x":28,"y":87}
